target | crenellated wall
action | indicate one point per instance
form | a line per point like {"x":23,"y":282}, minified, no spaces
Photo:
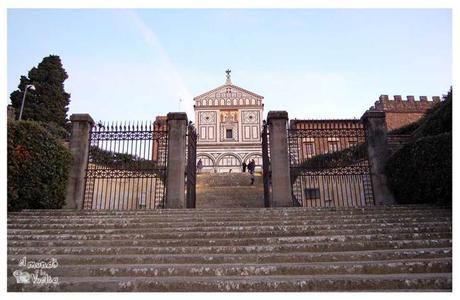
{"x":400,"y":112}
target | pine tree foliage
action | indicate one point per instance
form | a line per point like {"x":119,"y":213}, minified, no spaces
{"x":49,"y":101}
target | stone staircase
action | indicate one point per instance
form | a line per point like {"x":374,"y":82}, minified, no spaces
{"x":401,"y":248}
{"x":214,"y":190}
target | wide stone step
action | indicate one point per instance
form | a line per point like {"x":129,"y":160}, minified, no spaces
{"x":307,"y":229}
{"x":434,"y":265}
{"x":304,"y":232}
{"x":218,"y":226}
{"x":225,"y":219}
{"x":226,"y":179}
{"x":222,"y":240}
{"x":209,"y":249}
{"x":258,"y":211}
{"x":312,"y":246}
{"x":418,"y":252}
{"x":429,"y":281}
{"x":250,"y":212}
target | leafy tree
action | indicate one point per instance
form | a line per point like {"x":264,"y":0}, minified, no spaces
{"x":49,"y":101}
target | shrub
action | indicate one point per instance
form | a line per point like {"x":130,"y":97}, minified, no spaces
{"x":57,"y":131}
{"x":421,"y":172}
{"x":38,"y":167}
{"x":437,"y":120}
{"x":406,"y":129}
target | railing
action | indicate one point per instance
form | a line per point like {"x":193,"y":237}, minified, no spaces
{"x":126,"y":166}
{"x":329,"y":166}
{"x":266,"y":164}
{"x":190,"y":178}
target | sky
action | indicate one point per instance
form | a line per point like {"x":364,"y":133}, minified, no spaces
{"x":126,"y":64}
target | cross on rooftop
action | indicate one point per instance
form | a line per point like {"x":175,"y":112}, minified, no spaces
{"x":228,"y":81}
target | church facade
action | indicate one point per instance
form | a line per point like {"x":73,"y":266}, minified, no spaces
{"x":229,"y":124}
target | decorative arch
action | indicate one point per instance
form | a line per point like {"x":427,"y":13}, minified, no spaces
{"x":228,"y":160}
{"x":257,"y":156}
{"x":206,"y":159}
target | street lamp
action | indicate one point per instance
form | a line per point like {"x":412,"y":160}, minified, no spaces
{"x":29,"y":86}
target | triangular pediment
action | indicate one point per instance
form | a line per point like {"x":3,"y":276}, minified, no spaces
{"x":224,"y":90}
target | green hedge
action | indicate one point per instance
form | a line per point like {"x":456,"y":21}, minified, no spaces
{"x":343,"y":158}
{"x":406,"y":129}
{"x":38,"y":167}
{"x":56,"y":130}
{"x":124,"y":161}
{"x":421,"y":172}
{"x":437,"y":120}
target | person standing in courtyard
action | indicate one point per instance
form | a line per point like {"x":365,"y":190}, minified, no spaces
{"x":244,"y":167}
{"x":251,"y":168}
{"x":199,"y":166}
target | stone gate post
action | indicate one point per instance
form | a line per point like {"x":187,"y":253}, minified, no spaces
{"x":279,"y":156}
{"x":175,"y":188}
{"x":79,"y":147}
{"x":377,"y":147}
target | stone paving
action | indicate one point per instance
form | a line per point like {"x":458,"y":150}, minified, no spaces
{"x":214,"y":190}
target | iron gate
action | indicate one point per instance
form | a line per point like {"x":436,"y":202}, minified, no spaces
{"x":191,"y":167}
{"x":266,"y":164}
{"x":126,"y":166}
{"x":329,"y":163}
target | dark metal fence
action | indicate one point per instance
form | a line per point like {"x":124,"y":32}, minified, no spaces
{"x":191,"y":166}
{"x":126,"y":166}
{"x":329,"y":164}
{"x":266,"y":173}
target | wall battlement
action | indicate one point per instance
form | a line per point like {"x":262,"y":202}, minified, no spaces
{"x":397,"y":104}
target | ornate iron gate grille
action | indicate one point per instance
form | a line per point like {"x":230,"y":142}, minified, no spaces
{"x":126,"y":166}
{"x":329,"y":164}
{"x":191,"y":167}
{"x":266,"y":164}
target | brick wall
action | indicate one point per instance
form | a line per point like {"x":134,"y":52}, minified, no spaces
{"x":398,"y":119}
{"x":400,"y":112}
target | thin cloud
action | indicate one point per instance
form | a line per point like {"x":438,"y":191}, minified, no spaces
{"x":167,"y":68}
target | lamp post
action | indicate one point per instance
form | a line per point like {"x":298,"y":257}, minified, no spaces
{"x":29,"y":86}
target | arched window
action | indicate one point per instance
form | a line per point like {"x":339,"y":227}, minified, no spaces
{"x":205,"y":160}
{"x":256,"y":157}
{"x":229,"y":160}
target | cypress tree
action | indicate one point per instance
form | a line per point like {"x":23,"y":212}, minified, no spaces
{"x":49,"y":101}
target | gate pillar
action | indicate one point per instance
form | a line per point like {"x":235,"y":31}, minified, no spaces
{"x":281,"y":179}
{"x":79,"y":147}
{"x":177,"y":133}
{"x":377,"y":147}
